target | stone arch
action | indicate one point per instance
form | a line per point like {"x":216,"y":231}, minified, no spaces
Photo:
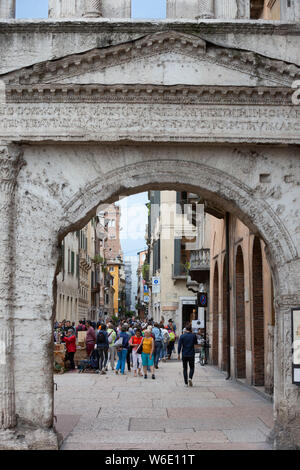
{"x":240,"y":314}
{"x":258,"y":333}
{"x":227,"y":192}
{"x":215,"y":316}
{"x":62,"y":211}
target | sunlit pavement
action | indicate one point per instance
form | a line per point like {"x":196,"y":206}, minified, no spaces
{"x":122,"y":412}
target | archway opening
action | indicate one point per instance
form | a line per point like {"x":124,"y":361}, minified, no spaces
{"x":215,"y":206}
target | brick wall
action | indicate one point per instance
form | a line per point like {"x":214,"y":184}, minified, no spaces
{"x":240,"y":316}
{"x":215,"y":335}
{"x":258,"y":316}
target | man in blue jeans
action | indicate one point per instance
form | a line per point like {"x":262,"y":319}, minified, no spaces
{"x":156,"y":331}
{"x":186,"y":343}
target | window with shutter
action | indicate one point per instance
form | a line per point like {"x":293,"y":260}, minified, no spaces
{"x":77,"y":265}
{"x":72,"y":262}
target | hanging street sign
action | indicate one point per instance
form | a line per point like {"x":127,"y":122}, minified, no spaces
{"x":202,"y":299}
{"x":155,"y":285}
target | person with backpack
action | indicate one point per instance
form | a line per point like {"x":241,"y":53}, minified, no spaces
{"x":187,"y":343}
{"x":172,"y":325}
{"x":122,"y":345}
{"x":165,"y":335}
{"x":102,"y":346}
{"x":112,"y":335}
{"x":172,"y":339}
{"x":158,"y":342}
{"x":130,"y":333}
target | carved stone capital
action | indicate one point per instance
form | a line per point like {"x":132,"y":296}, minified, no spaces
{"x":287,"y":301}
{"x":11,"y":162}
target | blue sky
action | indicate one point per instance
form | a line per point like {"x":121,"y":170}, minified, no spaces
{"x":134,"y":217}
{"x":140,"y":8}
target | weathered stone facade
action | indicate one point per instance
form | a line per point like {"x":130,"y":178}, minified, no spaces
{"x":101,"y":109}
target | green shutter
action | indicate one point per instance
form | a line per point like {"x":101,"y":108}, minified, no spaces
{"x":63,"y":256}
{"x":77,"y":264}
{"x":72,"y":262}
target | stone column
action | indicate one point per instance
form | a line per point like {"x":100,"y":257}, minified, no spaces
{"x":92,"y":9}
{"x":10,"y":165}
{"x":206,"y":9}
{"x":226,"y":9}
{"x":269,"y":379}
{"x":243,"y":9}
{"x":7,"y":9}
{"x":286,"y":432}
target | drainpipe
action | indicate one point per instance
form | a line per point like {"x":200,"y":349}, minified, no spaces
{"x":228,"y":293}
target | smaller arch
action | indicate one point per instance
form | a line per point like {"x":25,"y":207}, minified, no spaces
{"x":240,"y":314}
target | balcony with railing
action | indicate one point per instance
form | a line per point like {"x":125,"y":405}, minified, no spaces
{"x":85,"y":260}
{"x":200,"y":265}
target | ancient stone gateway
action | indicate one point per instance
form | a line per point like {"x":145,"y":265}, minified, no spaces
{"x":173,"y":105}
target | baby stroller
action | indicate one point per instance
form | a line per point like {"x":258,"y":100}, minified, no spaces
{"x":91,"y":364}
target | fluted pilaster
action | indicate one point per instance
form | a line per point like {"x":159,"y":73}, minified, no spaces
{"x":92,"y":9}
{"x":227,"y":9}
{"x":206,"y":9}
{"x":10,"y":164}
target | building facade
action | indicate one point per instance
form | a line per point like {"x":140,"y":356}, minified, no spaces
{"x":251,"y":305}
{"x":142,"y":301}
{"x":177,"y":231}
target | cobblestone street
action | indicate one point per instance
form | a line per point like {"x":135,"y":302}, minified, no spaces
{"x":122,"y":412}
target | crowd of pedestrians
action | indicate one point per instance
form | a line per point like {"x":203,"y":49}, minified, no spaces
{"x":134,"y":343}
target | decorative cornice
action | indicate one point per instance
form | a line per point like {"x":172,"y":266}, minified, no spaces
{"x":254,"y":64}
{"x":105,"y":25}
{"x":177,"y":94}
{"x":11,"y":162}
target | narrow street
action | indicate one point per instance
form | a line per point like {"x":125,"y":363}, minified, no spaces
{"x":122,"y":412}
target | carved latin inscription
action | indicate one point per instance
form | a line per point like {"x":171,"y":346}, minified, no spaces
{"x":112,"y":121}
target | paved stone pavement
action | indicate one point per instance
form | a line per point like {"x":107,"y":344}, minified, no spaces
{"x":115,"y":412}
